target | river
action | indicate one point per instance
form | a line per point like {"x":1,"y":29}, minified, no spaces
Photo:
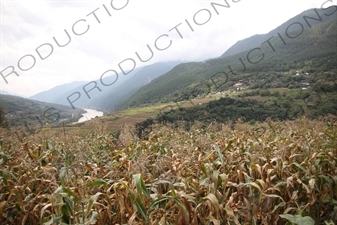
{"x":91,"y":113}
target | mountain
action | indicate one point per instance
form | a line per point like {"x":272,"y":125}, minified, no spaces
{"x":4,"y":92}
{"x":95,"y":95}
{"x":113,"y":99}
{"x":244,"y":45}
{"x":60,"y":93}
{"x":303,"y":18}
{"x":52,"y":94}
{"x":110,"y":97}
{"x":20,"y":110}
{"x":272,"y":64}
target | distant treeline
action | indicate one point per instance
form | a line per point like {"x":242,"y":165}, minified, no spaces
{"x":309,"y":103}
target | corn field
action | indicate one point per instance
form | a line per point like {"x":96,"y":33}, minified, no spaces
{"x":275,"y":172}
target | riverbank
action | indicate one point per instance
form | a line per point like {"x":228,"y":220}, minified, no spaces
{"x":90,"y":114}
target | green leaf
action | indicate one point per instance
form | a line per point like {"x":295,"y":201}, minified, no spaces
{"x":139,"y":205}
{"x":4,"y":175}
{"x":98,"y":183}
{"x":68,"y":191}
{"x":49,"y":145}
{"x":69,"y":205}
{"x":327,"y":180}
{"x":62,"y":175}
{"x":300,"y":167}
{"x":140,"y":184}
{"x":218,"y":151}
{"x":230,"y":142}
{"x":92,"y":200}
{"x":159,"y":200}
{"x":298,"y":220}
{"x":53,"y":220}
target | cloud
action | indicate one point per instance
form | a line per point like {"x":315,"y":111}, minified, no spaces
{"x":115,"y":35}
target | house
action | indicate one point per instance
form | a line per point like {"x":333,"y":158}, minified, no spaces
{"x":239,"y":86}
{"x":305,"y":85}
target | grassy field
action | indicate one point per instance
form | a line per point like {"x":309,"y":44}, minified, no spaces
{"x":117,"y":120}
{"x":267,"y":173}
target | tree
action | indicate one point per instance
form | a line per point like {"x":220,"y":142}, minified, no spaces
{"x":3,"y":120}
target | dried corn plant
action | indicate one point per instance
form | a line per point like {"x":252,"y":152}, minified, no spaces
{"x":275,"y":172}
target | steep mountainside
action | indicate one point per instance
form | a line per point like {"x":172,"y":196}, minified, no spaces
{"x":303,"y":18}
{"x":313,"y":50}
{"x":60,"y":93}
{"x":20,"y":111}
{"x":52,"y":94}
{"x":111,"y":96}
{"x":111,"y":99}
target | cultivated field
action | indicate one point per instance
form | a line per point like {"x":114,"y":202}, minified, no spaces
{"x":266,"y":173}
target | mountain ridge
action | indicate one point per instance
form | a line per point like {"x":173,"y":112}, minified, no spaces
{"x":21,"y":111}
{"x":49,"y":95}
{"x":317,"y":42}
{"x":135,"y":79}
{"x":258,"y":39}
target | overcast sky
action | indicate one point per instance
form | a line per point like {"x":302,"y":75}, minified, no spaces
{"x":120,"y":28}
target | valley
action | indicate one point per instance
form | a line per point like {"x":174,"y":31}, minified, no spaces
{"x":245,"y":138}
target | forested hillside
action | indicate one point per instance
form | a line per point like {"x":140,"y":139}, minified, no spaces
{"x":307,"y":18}
{"x":275,"y":64}
{"x":114,"y":97}
{"x":109,"y":98}
{"x":20,"y":111}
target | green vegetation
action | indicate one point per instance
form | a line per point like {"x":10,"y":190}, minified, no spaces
{"x":20,"y":111}
{"x":257,"y":40}
{"x":310,"y":58}
{"x":262,"y":173}
{"x":250,"y":106}
{"x":213,"y":143}
{"x":3,"y":120}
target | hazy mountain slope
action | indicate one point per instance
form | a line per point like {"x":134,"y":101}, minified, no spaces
{"x":162,"y":87}
{"x":111,"y":96}
{"x":60,"y":93}
{"x":112,"y":99}
{"x":95,"y":95}
{"x":314,"y":48}
{"x":20,"y":110}
{"x":256,"y":40}
{"x":244,"y":45}
{"x":4,"y":92}
{"x":52,"y":94}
